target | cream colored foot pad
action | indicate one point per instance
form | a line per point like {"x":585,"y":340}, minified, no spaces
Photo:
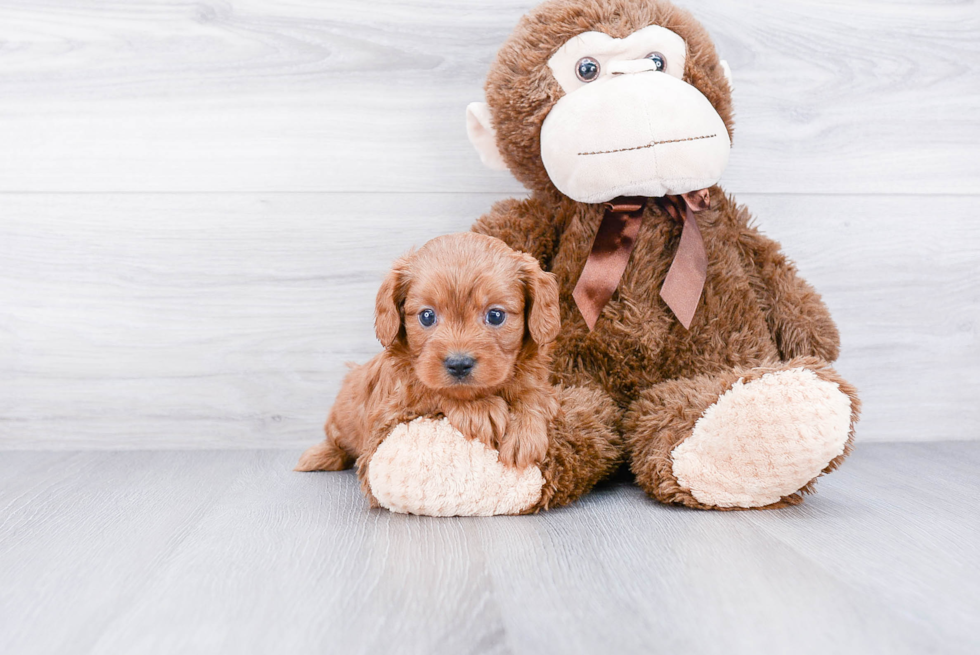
{"x":427,"y":467}
{"x":764,"y":439}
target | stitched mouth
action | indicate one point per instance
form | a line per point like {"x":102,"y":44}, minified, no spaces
{"x":649,"y":145}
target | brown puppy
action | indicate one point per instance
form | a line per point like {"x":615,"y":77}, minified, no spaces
{"x":467,"y":325}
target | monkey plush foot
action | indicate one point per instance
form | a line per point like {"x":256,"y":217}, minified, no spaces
{"x":760,"y":442}
{"x":427,"y":467}
{"x":763,"y":440}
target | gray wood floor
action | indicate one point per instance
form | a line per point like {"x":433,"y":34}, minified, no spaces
{"x":231,"y":552}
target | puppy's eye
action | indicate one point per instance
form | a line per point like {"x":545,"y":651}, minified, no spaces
{"x":587,"y":69}
{"x":658,"y":60}
{"x":496,"y":317}
{"x":427,"y":318}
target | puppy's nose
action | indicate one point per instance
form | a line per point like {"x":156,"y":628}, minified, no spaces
{"x":459,"y":366}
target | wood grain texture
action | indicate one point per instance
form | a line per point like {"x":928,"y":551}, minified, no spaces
{"x":231,"y":552}
{"x":857,"y":97}
{"x":201,"y":321}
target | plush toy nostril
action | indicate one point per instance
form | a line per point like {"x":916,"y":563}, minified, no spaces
{"x":459,"y":366}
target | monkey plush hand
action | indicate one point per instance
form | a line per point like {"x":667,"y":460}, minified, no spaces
{"x":616,"y":114}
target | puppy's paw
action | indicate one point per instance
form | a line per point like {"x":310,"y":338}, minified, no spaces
{"x":484,"y":420}
{"x":525,"y":443}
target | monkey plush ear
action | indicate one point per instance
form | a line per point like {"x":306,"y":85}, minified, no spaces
{"x":482,"y":135}
{"x":388,"y":306}
{"x":728,"y":73}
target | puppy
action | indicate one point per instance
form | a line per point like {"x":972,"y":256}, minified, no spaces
{"x":466,"y":323}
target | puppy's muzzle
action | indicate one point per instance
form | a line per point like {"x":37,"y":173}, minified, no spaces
{"x":459,"y":366}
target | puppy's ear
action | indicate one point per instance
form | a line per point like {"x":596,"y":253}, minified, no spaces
{"x":388,"y":306}
{"x":541,"y":291}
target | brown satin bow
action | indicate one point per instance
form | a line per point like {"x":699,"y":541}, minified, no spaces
{"x":614,"y":243}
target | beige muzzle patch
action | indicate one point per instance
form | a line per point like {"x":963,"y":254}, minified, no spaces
{"x":646,"y":134}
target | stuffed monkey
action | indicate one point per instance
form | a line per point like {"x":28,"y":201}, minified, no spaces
{"x":686,"y":333}
{"x":617,"y":115}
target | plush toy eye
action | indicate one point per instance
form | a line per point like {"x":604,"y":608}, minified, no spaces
{"x":496,"y":317}
{"x":587,"y":69}
{"x":658,"y":60}
{"x":427,"y":318}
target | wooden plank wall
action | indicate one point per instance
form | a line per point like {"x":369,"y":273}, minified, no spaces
{"x":198,"y":200}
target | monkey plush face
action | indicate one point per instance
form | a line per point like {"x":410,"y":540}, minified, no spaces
{"x":607,"y":98}
{"x":628,"y":124}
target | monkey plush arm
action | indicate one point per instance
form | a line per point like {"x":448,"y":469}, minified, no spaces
{"x":798,"y":318}
{"x":525,"y":225}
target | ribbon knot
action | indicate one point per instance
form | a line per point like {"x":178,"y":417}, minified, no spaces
{"x":613,"y":245}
